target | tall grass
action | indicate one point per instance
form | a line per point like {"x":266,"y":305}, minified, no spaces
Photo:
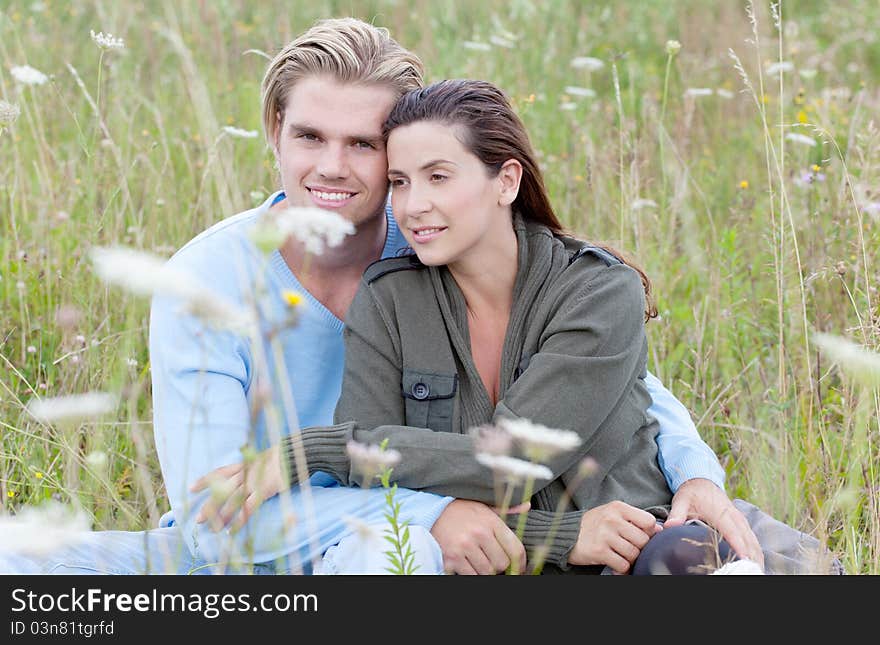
{"x":753,"y":240}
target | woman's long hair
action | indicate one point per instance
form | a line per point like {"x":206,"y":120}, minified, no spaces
{"x":490,"y":129}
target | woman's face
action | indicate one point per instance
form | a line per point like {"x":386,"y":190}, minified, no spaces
{"x":445,"y":202}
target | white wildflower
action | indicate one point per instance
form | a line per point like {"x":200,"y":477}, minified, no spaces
{"x":8,"y":113}
{"x":723,"y":93}
{"x":568,"y":106}
{"x":97,"y":460}
{"x":807,"y":74}
{"x":574,"y":90}
{"x":539,"y":442}
{"x":106,"y":41}
{"x":146,"y":275}
{"x":673,"y":47}
{"x":860,"y":363}
{"x":501,"y":41}
{"x":370,"y":460}
{"x":743,"y":567}
{"x":803,"y":139}
{"x":640,"y":203}
{"x":514,"y":470}
{"x":491,"y":440}
{"x":131,"y":362}
{"x":76,"y":407}
{"x":477,"y":46}
{"x":31,"y":349}
{"x":27,"y":75}
{"x":40,"y":530}
{"x":699,"y":91}
{"x":314,"y":227}
{"x":588,"y":63}
{"x":778,"y":67}
{"x":238,"y":132}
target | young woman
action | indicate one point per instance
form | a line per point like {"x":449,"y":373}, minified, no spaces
{"x":501,"y":315}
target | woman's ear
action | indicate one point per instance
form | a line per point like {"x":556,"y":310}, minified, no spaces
{"x":509,"y":177}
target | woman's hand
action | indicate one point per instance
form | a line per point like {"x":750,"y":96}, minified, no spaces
{"x":613,"y":534}
{"x":237,"y":490}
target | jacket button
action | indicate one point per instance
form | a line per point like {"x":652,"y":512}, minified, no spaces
{"x":420,"y":391}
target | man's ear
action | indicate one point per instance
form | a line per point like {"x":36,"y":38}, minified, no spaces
{"x":509,"y":177}
{"x":276,"y":135}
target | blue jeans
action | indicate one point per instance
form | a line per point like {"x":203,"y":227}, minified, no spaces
{"x":163,"y":551}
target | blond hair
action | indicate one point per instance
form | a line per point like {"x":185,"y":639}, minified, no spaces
{"x":349,"y":50}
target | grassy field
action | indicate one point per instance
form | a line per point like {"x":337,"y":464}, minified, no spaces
{"x":743,"y":173}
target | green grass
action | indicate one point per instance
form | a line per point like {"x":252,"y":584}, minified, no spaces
{"x":743,"y":272}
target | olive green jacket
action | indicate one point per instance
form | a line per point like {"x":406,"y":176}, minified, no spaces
{"x":574,"y":358}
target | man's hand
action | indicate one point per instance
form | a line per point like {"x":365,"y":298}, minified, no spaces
{"x":237,"y":490}
{"x":702,"y":499}
{"x":476,"y":541}
{"x":613,"y":534}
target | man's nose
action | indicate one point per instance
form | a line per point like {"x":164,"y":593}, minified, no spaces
{"x":333,"y":162}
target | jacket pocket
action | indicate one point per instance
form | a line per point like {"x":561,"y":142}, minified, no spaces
{"x":430,"y":399}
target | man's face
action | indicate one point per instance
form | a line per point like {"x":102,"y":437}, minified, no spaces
{"x":329,"y":147}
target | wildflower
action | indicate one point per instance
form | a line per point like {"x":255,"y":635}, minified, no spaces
{"x":27,"y":75}
{"x":491,"y":440}
{"x":38,"y":475}
{"x":8,"y":114}
{"x":808,"y":177}
{"x":477,"y":46}
{"x":67,"y":317}
{"x":640,"y":203}
{"x":699,"y":91}
{"x":239,"y":133}
{"x":672,"y":47}
{"x":500,"y":41}
{"x":588,"y":466}
{"x":742,"y":567}
{"x":97,"y":459}
{"x":724,"y":93}
{"x":43,"y":529}
{"x":567,"y":106}
{"x":797,"y":137}
{"x":370,"y":460}
{"x":872,"y":208}
{"x":779,"y":67}
{"x":861,"y":364}
{"x":579,"y":91}
{"x":10,"y":494}
{"x":807,"y":73}
{"x":538,"y":442}
{"x":31,"y":349}
{"x":131,"y":362}
{"x":292,"y":298}
{"x":513,"y":470}
{"x":106,"y":41}
{"x":76,"y":407}
{"x":744,"y":184}
{"x":145,"y":274}
{"x":588,"y":63}
{"x":802,"y":117}
{"x":314,"y":227}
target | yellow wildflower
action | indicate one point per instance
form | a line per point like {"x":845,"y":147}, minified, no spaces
{"x":292,"y":298}
{"x":802,"y":116}
{"x":744,"y":184}
{"x":816,"y":167}
{"x":11,"y":494}
{"x":38,"y":475}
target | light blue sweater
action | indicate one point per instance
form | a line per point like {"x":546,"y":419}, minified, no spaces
{"x":204,"y":390}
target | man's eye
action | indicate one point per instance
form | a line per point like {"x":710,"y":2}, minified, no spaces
{"x":307,"y":136}
{"x":364,"y":145}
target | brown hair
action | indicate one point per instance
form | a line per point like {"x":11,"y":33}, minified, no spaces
{"x":347,"y":49}
{"x":490,"y":129}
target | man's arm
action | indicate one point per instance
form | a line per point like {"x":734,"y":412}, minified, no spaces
{"x":683,"y":455}
{"x":202,"y":420}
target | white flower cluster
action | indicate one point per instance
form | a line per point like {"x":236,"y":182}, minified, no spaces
{"x":42,"y":529}
{"x":513,"y":470}
{"x":76,"y":407}
{"x":588,"y":63}
{"x":146,"y":274}
{"x":370,"y":460}
{"x":316,"y":228}
{"x":106,"y":41}
{"x":539,"y":443}
{"x":8,"y":113}
{"x":27,"y":75}
{"x":239,"y":133}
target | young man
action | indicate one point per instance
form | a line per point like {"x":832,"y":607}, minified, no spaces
{"x":325,"y":97}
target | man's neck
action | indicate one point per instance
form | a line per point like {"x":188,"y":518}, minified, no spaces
{"x":334,"y":276}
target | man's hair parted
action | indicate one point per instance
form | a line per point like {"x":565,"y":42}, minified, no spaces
{"x":347,"y":49}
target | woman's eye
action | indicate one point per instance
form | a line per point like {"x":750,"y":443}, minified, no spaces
{"x":437,"y":177}
{"x":396,"y":183}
